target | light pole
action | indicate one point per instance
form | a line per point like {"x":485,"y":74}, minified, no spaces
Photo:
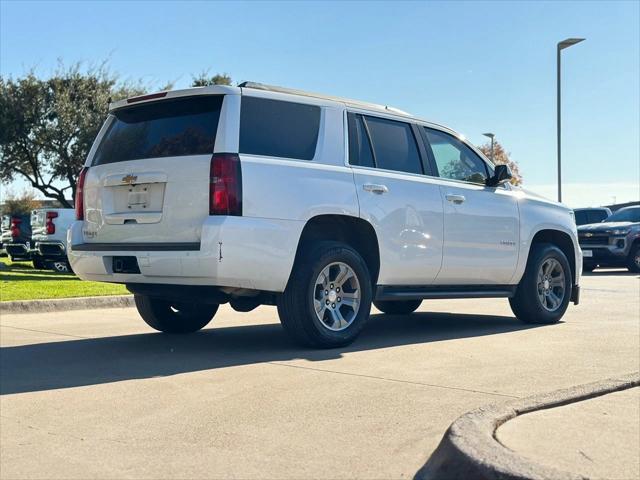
{"x":491,"y":136}
{"x":561,"y":46}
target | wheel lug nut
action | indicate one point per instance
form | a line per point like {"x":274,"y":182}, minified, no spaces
{"x":326,"y":292}
{"x":333,"y":305}
{"x":331,"y":285}
{"x":339,"y":299}
{"x":338,"y":289}
{"x":327,"y":302}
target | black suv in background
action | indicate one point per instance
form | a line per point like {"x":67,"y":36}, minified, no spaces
{"x":612,"y":243}
{"x":16,"y":236}
{"x":585,"y":216}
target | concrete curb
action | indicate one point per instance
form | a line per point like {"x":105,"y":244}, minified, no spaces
{"x":469,"y":448}
{"x":61,"y":304}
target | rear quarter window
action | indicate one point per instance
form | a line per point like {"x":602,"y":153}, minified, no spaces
{"x":275,"y":128}
{"x":167,"y":128}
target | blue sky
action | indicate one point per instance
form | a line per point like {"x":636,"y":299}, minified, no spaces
{"x":474,"y":66}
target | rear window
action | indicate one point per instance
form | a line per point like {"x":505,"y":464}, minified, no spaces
{"x":274,"y":128}
{"x":169,"y":128}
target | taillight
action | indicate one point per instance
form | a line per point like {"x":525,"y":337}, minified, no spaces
{"x":15,"y":227}
{"x":51,"y":228}
{"x":80,"y":194}
{"x":225,"y":185}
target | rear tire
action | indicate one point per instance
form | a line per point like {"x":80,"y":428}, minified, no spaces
{"x":59,"y":266}
{"x":544,"y":292}
{"x":39,"y":264}
{"x":174,"y":317}
{"x":328,"y":298}
{"x":397,"y":307}
{"x":633,"y":262}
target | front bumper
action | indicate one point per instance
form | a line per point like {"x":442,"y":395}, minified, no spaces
{"x":603,"y":255}
{"x":603,"y":248}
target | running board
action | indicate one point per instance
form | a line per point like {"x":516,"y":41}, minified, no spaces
{"x":414,"y":292}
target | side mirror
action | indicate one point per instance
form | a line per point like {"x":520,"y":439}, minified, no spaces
{"x":501,"y":174}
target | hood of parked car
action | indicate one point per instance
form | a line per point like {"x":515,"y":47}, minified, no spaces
{"x":606,"y":226}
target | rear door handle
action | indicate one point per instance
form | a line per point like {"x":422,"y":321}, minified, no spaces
{"x":375,"y":188}
{"x":457,"y":199}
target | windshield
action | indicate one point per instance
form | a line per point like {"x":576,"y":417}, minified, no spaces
{"x":626,"y":215}
{"x":584,"y":217}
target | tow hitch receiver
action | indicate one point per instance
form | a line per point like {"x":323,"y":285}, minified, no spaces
{"x":125,"y":265}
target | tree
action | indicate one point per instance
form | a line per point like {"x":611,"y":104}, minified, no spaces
{"x":20,"y":204}
{"x":502,"y":157}
{"x":47,"y":126}
{"x":203,"y":79}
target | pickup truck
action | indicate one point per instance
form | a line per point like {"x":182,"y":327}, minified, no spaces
{"x":16,"y":236}
{"x":49,"y":237}
{"x":614,"y":242}
{"x":322,"y":206}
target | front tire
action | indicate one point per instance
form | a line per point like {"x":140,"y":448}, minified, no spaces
{"x":174,"y":317}
{"x":633,"y":262}
{"x":397,"y":307}
{"x":327,"y":301}
{"x":544,"y":292}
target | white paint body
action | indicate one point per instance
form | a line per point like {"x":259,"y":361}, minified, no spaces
{"x":424,"y":239}
{"x":39,"y":235}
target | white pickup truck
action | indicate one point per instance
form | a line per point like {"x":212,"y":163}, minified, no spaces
{"x":49,"y":237}
{"x":255,"y":195}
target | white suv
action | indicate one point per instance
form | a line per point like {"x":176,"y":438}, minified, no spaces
{"x":257,"y":195}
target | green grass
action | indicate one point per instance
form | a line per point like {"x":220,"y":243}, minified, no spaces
{"x":20,"y":281}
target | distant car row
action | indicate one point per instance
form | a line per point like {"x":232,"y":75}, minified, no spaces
{"x":609,"y":240}
{"x":40,"y":237}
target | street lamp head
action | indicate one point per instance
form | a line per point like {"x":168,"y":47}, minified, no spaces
{"x":490,"y":135}
{"x":569,"y":42}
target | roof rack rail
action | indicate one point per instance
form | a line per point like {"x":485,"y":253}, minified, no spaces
{"x":291,"y":91}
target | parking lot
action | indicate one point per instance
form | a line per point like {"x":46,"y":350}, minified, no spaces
{"x":98,"y":394}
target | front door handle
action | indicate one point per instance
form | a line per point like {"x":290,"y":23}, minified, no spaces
{"x":375,"y":188}
{"x":457,"y":199}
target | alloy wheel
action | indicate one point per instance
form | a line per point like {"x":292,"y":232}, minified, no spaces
{"x":337,"y":296}
{"x":551,"y":287}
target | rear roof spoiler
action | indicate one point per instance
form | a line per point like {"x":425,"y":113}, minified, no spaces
{"x":165,"y":95}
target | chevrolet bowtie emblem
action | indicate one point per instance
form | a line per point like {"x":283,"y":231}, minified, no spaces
{"x":129,"y":179}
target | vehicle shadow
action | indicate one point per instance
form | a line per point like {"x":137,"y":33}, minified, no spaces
{"x":73,"y":363}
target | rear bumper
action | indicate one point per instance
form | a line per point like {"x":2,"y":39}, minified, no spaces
{"x":18,"y":250}
{"x":50,"y":250}
{"x":235,"y":252}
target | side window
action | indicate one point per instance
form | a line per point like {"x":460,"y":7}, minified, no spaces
{"x":454,"y":159}
{"x":359,"y":146}
{"x":278,"y":129}
{"x":394,"y":146}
